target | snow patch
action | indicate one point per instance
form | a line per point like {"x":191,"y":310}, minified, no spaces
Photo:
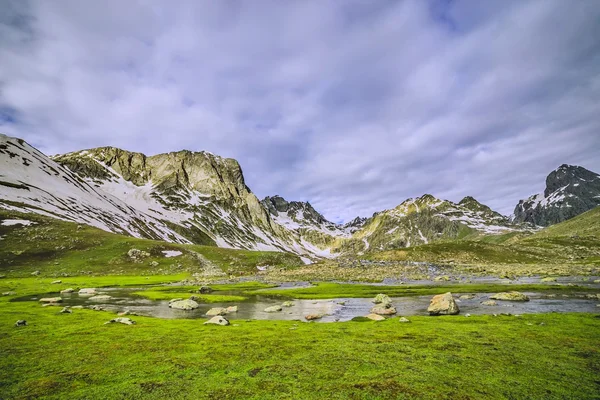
{"x":172,"y":253}
{"x":11,"y":222}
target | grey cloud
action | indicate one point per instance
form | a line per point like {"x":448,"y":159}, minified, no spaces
{"x":353,"y":106}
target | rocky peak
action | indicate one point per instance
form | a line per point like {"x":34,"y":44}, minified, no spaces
{"x":570,"y":191}
{"x":297,"y":210}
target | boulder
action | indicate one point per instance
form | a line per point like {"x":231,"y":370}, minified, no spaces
{"x":120,"y":320}
{"x":56,"y":282}
{"x":311,"y":317}
{"x":101,"y":297}
{"x":205,"y":290}
{"x":218,"y":320}
{"x":231,"y":309}
{"x":273,"y":309}
{"x":375,"y":317}
{"x":177,"y":299}
{"x":216,"y":311}
{"x":67,"y":291}
{"x":184,"y":305}
{"x":382,"y":299}
{"x":404,"y":319}
{"x":383,"y":310}
{"x":288,"y":304}
{"x":489,"y":303}
{"x":87,"y":291}
{"x":510,"y":296}
{"x":21,"y":322}
{"x":50,"y":300}
{"x":443,"y":304}
{"x":66,"y":310}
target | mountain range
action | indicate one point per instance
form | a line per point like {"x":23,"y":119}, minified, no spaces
{"x":199,"y":197}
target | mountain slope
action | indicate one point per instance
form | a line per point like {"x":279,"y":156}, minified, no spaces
{"x":570,"y":191}
{"x":584,"y":225}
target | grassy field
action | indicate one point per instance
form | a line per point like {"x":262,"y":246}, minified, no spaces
{"x":57,"y":248}
{"x":76,"y":356}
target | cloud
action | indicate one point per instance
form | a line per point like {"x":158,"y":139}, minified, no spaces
{"x":353,"y":106}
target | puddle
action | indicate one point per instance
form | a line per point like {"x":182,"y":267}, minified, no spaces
{"x":339,"y":309}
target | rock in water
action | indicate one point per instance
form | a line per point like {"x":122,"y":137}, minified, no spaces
{"x":382,"y":299}
{"x":102,"y":297}
{"x":273,"y":309}
{"x":50,"y":300}
{"x":184,"y":305}
{"x":311,"y":317}
{"x":548,"y":279}
{"x":467,"y":297}
{"x":489,"y":303}
{"x":67,"y":291}
{"x":21,"y":322}
{"x":510,"y":296}
{"x":288,"y":304}
{"x":375,"y":317}
{"x":88,"y":291}
{"x":216,"y":311}
{"x":231,"y":309}
{"x":218,"y":320}
{"x":120,"y":320}
{"x":443,"y":304}
{"x":383,"y":310}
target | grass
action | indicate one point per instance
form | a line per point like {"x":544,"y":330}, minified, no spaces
{"x":58,"y":248}
{"x":550,"y":356}
{"x":327,"y":290}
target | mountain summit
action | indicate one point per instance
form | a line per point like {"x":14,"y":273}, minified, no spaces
{"x":570,"y":191}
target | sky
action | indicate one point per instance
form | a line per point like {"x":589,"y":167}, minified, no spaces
{"x":351,"y":105}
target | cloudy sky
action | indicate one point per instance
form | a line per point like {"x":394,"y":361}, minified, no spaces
{"x":351,"y":105}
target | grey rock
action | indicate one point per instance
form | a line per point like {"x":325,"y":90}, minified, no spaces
{"x":404,"y":319}
{"x":443,"y":304}
{"x":184,"y":305}
{"x":273,"y":309}
{"x":121,"y":320}
{"x":217,"y":320}
{"x":21,"y":322}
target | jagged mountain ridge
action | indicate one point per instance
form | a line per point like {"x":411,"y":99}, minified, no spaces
{"x":198,"y":197}
{"x":570,"y":191}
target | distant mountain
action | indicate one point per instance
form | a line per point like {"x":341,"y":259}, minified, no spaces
{"x":423,"y":220}
{"x":199,"y":197}
{"x":570,"y":191}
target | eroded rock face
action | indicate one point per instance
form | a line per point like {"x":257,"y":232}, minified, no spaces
{"x":570,"y":191}
{"x":443,"y":304}
{"x":184,"y":305}
{"x":510,"y":296}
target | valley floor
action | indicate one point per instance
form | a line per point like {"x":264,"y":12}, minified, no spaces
{"x":536,"y":356}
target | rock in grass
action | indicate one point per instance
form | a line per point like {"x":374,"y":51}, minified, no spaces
{"x":56,"y":282}
{"x":97,"y":308}
{"x":510,"y":296}
{"x":67,"y":291}
{"x":120,"y":320}
{"x":205,"y":290}
{"x":50,"y":300}
{"x":102,"y":297}
{"x":382,"y":299}
{"x":184,"y":305}
{"x":489,"y":303}
{"x":35,"y":273}
{"x":66,"y":310}
{"x":218,"y":320}
{"x":375,"y":317}
{"x":87,"y":291}
{"x":21,"y":322}
{"x":216,"y":311}
{"x":273,"y":309}
{"x":383,"y":310}
{"x":311,"y":317}
{"x":403,"y":319}
{"x":77,"y":308}
{"x":288,"y":304}
{"x":9,"y":293}
{"x":443,"y":304}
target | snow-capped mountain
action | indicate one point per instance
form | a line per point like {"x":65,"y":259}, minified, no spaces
{"x":570,"y":191}
{"x":198,"y":197}
{"x":424,"y":220}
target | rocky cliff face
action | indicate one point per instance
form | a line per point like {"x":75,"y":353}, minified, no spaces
{"x":570,"y":191}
